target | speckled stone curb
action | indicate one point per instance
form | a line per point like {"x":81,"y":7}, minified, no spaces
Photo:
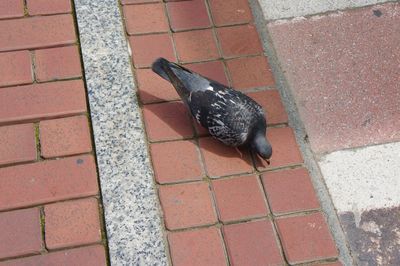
{"x":132,"y":213}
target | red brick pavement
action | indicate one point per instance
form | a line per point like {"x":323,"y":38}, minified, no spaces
{"x":49,"y":207}
{"x":255,"y":214}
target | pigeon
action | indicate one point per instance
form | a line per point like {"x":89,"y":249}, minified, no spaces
{"x":229,"y":115}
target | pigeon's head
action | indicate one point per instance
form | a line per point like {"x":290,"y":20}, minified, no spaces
{"x":262,"y":147}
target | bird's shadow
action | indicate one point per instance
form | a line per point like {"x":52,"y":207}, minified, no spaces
{"x":216,"y":147}
{"x":169,"y":115}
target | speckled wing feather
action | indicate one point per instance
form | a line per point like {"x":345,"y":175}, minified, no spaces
{"x":229,"y":115}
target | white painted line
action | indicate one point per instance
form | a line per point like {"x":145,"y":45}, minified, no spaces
{"x":363,"y":179}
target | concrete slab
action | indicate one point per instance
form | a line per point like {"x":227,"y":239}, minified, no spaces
{"x":132,"y":214}
{"x":350,"y":96}
{"x":278,"y":9}
{"x":365,"y":188}
{"x":363,"y":179}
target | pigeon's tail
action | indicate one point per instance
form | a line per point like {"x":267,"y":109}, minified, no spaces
{"x":170,"y":72}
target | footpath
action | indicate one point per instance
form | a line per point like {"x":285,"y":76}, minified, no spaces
{"x":101,"y":164}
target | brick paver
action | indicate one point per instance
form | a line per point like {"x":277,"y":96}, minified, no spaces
{"x":250,"y":72}
{"x":167,"y":121}
{"x":11,"y":8}
{"x":36,"y":32}
{"x":147,"y":48}
{"x":72,"y":223}
{"x":20,"y":233}
{"x":271,"y":102}
{"x":186,"y":15}
{"x":214,"y":70}
{"x":290,"y":190}
{"x":47,"y":181}
{"x":153,"y":90}
{"x":16,"y":68}
{"x":230,"y":12}
{"x":43,"y":118}
{"x":18,"y":144}
{"x":73,"y":131}
{"x":240,"y":202}
{"x":209,"y":221}
{"x":306,"y":238}
{"x":198,"y":45}
{"x":57,"y":63}
{"x":197,"y":247}
{"x":47,"y":7}
{"x":176,"y":161}
{"x":252,"y":243}
{"x":285,"y":149}
{"x":239,"y":198}
{"x":272,"y":105}
{"x":38,"y":101}
{"x":145,"y":18}
{"x":221,"y":160}
{"x":239,"y":41}
{"x":91,"y":255}
{"x":187,"y":205}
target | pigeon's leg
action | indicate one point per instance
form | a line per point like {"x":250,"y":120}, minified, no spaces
{"x":237,"y":149}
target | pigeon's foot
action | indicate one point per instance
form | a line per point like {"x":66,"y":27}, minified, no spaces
{"x":241,"y":154}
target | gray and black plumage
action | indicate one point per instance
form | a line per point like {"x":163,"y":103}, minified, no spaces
{"x":229,"y":115}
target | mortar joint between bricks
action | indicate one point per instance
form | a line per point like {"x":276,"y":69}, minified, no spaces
{"x":38,"y":205}
{"x":267,"y":217}
{"x":33,"y":65}
{"x":217,"y":224}
{"x":18,"y":257}
{"x":57,"y":80}
{"x":279,"y":241}
{"x":37,"y":141}
{"x":26,"y":13}
{"x":43,"y":228}
{"x":317,"y":262}
{"x":218,"y":44}
{"x":171,"y":31}
{"x":103,"y":229}
{"x":273,"y":221}
{"x":54,"y":250}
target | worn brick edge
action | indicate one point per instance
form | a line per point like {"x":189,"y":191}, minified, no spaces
{"x":132,"y":212}
{"x":301,"y":136}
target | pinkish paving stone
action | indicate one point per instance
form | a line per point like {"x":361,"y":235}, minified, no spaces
{"x":343,"y":70}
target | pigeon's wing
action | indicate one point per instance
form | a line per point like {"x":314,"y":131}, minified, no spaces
{"x":229,"y":115}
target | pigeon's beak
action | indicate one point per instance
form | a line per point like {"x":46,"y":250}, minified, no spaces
{"x":268,"y":161}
